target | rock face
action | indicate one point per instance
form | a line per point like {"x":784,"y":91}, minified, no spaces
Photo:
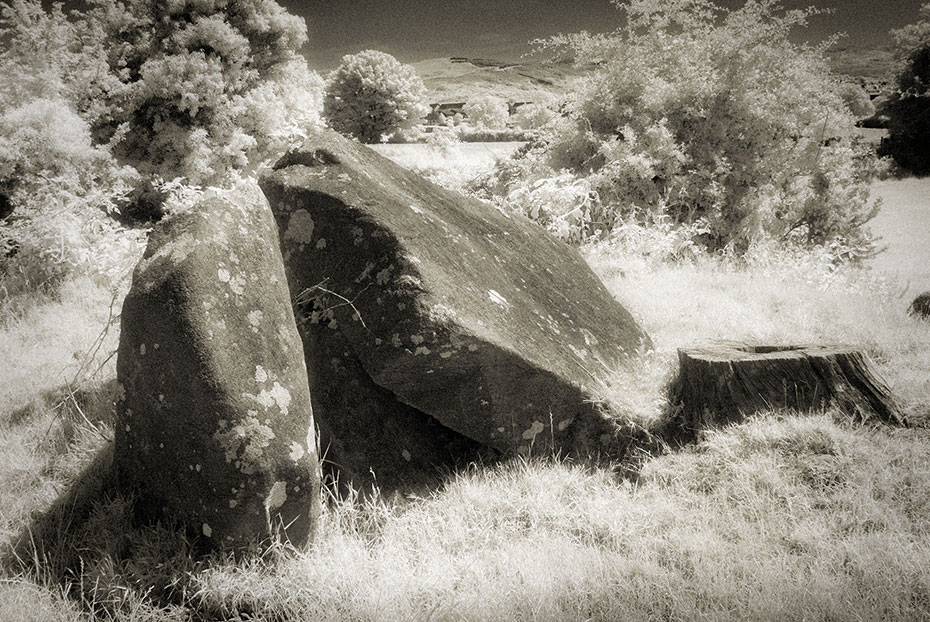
{"x":452,"y":310}
{"x":215,"y":425}
{"x":921,"y":306}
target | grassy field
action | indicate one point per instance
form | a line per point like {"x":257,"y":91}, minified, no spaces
{"x":904,"y":226}
{"x":786,"y":516}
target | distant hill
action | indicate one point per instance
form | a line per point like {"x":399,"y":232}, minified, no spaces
{"x":873,"y":67}
{"x":459,"y":79}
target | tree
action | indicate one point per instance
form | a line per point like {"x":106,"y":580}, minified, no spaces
{"x":487,"y":111}
{"x":97,"y":106}
{"x":700,"y":115}
{"x":909,"y":108}
{"x":371,"y":94}
{"x":183,"y":68}
{"x":181,"y":88}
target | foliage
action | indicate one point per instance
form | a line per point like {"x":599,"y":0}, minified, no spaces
{"x":487,"y":111}
{"x":443,"y":141}
{"x":706,"y":116}
{"x":909,"y":108}
{"x":855,"y":98}
{"x":191,"y":89}
{"x":62,"y":189}
{"x":534,"y":115}
{"x":371,"y":95}
{"x":98,"y":106}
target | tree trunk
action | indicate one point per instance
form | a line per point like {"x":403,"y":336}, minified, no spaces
{"x":723,"y":382}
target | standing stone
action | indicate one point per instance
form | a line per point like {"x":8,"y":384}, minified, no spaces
{"x":215,"y":426}
{"x":478,"y":319}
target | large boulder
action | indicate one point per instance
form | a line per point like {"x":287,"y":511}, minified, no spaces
{"x":476,"y":319}
{"x":215,"y":425}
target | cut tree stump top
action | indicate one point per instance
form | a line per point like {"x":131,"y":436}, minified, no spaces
{"x":723,"y":382}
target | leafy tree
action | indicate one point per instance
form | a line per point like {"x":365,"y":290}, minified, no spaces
{"x":371,"y":94}
{"x":856,"y":100}
{"x":100,"y":105}
{"x":909,"y":108}
{"x":487,"y":111}
{"x":702,"y":116}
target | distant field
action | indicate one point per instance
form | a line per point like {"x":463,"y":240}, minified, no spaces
{"x":469,"y":154}
{"x":904,"y":226}
{"x":452,"y":169}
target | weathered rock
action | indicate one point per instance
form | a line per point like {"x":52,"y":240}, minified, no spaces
{"x":478,"y":319}
{"x":215,"y":426}
{"x":921,"y":306}
{"x":723,"y":382}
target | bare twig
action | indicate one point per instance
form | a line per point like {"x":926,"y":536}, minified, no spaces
{"x":307,"y":295}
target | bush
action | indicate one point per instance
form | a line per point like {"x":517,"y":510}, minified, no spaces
{"x":100,"y":106}
{"x":909,"y":108}
{"x":534,"y":116}
{"x":174,"y":89}
{"x":61,"y":189}
{"x":857,"y":101}
{"x":371,"y":94}
{"x":487,"y":111}
{"x":710,"y":117}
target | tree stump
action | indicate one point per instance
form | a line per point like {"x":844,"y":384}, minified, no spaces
{"x":921,"y":306}
{"x":726,"y":381}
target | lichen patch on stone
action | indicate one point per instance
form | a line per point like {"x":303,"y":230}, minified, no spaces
{"x":297,"y":451}
{"x":533,"y":430}
{"x":244,"y":443}
{"x":255,"y":319}
{"x":277,"y":496}
{"x":268,"y":398}
{"x":300,"y":227}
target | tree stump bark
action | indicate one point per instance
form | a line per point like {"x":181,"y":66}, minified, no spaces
{"x":726,"y":381}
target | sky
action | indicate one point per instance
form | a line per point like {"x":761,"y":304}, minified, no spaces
{"x":414,"y":30}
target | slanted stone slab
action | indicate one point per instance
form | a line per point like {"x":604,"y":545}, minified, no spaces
{"x":476,"y":318}
{"x":723,"y":382}
{"x":215,"y":425}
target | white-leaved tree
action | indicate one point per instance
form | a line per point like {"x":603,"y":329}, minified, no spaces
{"x":706,"y":117}
{"x":371,"y":95}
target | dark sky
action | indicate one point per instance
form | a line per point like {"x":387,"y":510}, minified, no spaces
{"x":413,"y":30}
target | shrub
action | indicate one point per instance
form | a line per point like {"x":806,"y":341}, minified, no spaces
{"x":371,"y":94}
{"x":711,"y":117}
{"x":909,"y":108}
{"x":487,"y":111}
{"x":857,"y":101}
{"x":61,"y":189}
{"x":175,"y":89}
{"x":99,"y":106}
{"x":533,"y":116}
